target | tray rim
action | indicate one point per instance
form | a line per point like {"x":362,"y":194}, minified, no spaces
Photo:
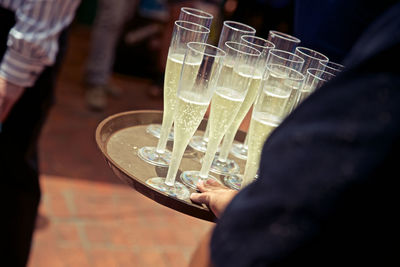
{"x":162,"y":198}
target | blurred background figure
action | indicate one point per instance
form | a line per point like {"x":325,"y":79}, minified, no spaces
{"x":32,"y":44}
{"x":111,"y":17}
{"x":263,"y":15}
{"x":147,"y":36}
{"x":127,"y":32}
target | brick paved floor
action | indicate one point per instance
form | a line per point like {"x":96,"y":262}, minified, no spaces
{"x":88,"y":217}
{"x":100,"y":224}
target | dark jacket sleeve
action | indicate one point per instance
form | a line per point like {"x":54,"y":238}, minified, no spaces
{"x":326,"y":192}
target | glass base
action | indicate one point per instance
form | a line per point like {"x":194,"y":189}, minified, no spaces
{"x":150,"y":155}
{"x":155,"y":130}
{"x":224,"y":167}
{"x":191,"y":178}
{"x":198,"y":143}
{"x":177,"y":190}
{"x":233,"y":181}
{"x":239,"y":150}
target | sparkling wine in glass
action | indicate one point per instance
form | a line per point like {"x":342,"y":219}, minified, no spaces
{"x":278,"y":57}
{"x":231,"y":31}
{"x":184,"y":32}
{"x":196,"y":16}
{"x":268,"y":112}
{"x":312,"y":60}
{"x":222,"y":164}
{"x":201,"y":68}
{"x":232,"y":86}
{"x":314,"y":79}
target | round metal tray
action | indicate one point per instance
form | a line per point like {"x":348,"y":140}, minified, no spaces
{"x":121,"y":135}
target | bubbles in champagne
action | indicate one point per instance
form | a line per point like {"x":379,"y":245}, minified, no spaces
{"x":190,"y":112}
{"x":244,"y":108}
{"x":294,"y":87}
{"x":261,"y":126}
{"x":172,"y":74}
{"x":273,"y":100}
{"x":224,"y":106}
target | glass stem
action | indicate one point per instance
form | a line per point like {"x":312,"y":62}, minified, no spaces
{"x":226,"y":145}
{"x":252,"y":165}
{"x":212,"y":148}
{"x":207,"y":132}
{"x":250,"y":172}
{"x":177,"y":154}
{"x":165,"y":129}
{"x":246,"y":141}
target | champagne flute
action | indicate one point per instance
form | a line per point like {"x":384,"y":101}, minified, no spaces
{"x":183,"y":33}
{"x":312,"y":58}
{"x":332,"y":67}
{"x":231,"y":31}
{"x":236,"y":74}
{"x":195,"y":16}
{"x":279,"y":57}
{"x":314,"y":79}
{"x":221,"y":164}
{"x":283,"y":41}
{"x":269,"y":111}
{"x":200,"y":71}
{"x":285,"y":58}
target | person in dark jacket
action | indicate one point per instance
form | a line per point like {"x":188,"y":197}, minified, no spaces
{"x":326,"y":192}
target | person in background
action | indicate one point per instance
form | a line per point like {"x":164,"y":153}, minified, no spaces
{"x":111,"y":17}
{"x":32,"y":42}
{"x":326,"y":192}
{"x":264,"y":15}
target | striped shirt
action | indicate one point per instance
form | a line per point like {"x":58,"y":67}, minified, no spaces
{"x":33,"y":41}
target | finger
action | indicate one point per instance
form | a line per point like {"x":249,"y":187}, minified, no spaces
{"x":202,"y":198}
{"x":209,"y":185}
{"x":201,"y":186}
{"x":215,"y":184}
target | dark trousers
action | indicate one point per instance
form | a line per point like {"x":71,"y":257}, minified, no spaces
{"x":19,"y":173}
